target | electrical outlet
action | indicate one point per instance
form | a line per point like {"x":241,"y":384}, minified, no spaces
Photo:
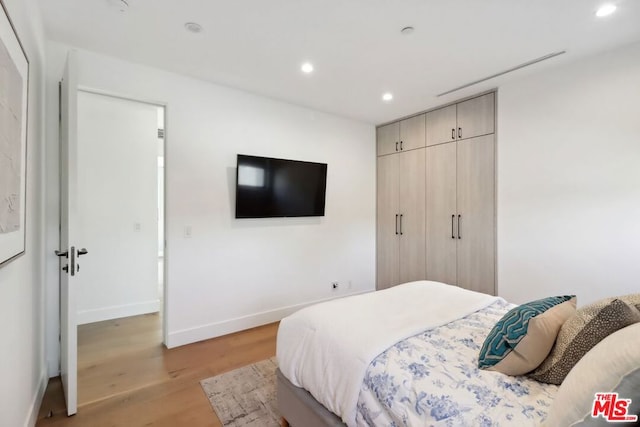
{"x":334,"y":285}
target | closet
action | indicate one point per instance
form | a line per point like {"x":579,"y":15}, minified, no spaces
{"x":452,"y":238}
{"x":401,"y":202}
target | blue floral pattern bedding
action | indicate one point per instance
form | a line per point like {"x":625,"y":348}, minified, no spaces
{"x":432,"y":379}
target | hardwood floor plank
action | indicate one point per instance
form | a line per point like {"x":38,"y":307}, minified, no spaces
{"x":128,"y":379}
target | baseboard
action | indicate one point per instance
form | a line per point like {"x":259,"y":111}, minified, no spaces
{"x":118,"y":311}
{"x":212,"y":330}
{"x":34,"y":409}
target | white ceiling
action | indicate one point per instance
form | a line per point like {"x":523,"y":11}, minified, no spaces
{"x":355,"y":45}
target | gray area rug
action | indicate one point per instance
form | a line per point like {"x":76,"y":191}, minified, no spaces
{"x":245,"y":397}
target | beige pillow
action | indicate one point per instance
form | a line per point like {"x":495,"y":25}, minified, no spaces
{"x":612,"y":366}
{"x":590,"y":325}
{"x":524,"y":336}
{"x":631,"y":299}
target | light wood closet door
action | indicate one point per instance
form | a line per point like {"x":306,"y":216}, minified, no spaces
{"x":387,"y":236}
{"x":412,"y":133}
{"x":441,"y":220}
{"x":388,"y":138}
{"x":476,"y":116}
{"x":412,"y":211}
{"x":441,"y":125}
{"x":476,"y":205}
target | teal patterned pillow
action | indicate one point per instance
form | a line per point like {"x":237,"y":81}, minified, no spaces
{"x":523,"y":338}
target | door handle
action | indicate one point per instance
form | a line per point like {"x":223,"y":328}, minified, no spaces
{"x":453,"y":133}
{"x":401,"y":224}
{"x":459,"y":133}
{"x":82,"y":251}
{"x":453,"y":236}
{"x":459,"y":216}
{"x":62,"y":253}
{"x":396,"y":224}
{"x":72,"y":266}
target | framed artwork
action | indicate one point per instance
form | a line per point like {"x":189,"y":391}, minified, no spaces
{"x":14,"y":87}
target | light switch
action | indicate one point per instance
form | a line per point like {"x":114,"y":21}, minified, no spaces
{"x":187,"y":232}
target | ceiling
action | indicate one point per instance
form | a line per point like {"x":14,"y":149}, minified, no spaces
{"x":356,"y":46}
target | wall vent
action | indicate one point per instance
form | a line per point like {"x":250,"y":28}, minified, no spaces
{"x":517,"y":67}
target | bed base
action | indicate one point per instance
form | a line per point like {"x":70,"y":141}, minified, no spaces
{"x":298,"y":407}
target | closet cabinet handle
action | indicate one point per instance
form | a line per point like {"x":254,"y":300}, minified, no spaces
{"x":459,"y":133}
{"x":401,"y":146}
{"x":396,"y":224}
{"x":459,"y":237}
{"x":453,"y":133}
{"x":396,"y":145}
{"x":401,"y":224}
{"x":453,"y":236}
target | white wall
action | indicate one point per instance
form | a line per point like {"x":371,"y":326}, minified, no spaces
{"x":117,"y":208}
{"x":233,"y":274}
{"x":569,"y":180}
{"x":22,"y":363}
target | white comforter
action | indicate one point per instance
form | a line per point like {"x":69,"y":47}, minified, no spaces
{"x":327,"y":348}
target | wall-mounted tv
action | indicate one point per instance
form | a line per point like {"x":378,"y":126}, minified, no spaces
{"x":268,"y":188}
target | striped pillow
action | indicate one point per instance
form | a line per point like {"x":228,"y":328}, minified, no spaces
{"x":524,"y":336}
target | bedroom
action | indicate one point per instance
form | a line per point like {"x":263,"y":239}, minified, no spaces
{"x":564,"y":197}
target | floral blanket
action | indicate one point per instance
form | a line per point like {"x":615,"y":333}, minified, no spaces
{"x":432,"y":379}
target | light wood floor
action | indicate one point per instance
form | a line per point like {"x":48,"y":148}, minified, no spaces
{"x":127,"y":378}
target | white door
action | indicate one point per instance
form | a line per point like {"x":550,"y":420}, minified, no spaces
{"x":68,"y":245}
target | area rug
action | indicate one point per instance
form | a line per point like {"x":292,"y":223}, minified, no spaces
{"x":245,"y":397}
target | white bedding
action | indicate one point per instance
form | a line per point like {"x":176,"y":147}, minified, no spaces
{"x":327,"y":348}
{"x":432,"y":379}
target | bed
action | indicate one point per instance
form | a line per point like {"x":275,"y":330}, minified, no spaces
{"x":406,"y":356}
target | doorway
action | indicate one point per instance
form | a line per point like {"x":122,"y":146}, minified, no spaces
{"x":120,"y":197}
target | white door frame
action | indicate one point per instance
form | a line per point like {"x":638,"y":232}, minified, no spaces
{"x":165,"y":105}
{"x":72,"y":407}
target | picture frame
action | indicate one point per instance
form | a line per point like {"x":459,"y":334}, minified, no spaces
{"x":14,"y":96}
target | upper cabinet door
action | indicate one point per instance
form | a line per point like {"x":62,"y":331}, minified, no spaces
{"x":412,"y":133}
{"x":388,"y":138}
{"x":476,"y":117}
{"x":441,"y":125}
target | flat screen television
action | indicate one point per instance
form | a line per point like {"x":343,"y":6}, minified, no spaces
{"x":268,"y":188}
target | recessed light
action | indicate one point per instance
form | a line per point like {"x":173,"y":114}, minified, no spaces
{"x":606,"y":10}
{"x":387,"y":97}
{"x":307,"y":67}
{"x":407,"y":30}
{"x":121,"y":5}
{"x":193,"y":27}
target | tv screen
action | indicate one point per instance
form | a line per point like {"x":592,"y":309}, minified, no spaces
{"x":267,"y":188}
